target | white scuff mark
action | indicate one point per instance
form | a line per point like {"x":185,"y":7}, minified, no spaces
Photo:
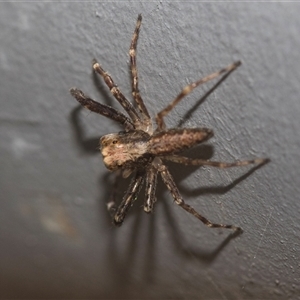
{"x":21,"y":147}
{"x":218,"y":289}
{"x":52,"y":214}
{"x":4,"y":60}
{"x":259,"y":245}
{"x":51,"y":225}
{"x":56,"y":220}
{"x":263,"y":233}
{"x":24,"y":22}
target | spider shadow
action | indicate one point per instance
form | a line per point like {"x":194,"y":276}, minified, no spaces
{"x":86,"y":145}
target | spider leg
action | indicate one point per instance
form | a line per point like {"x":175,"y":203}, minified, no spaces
{"x":186,"y":90}
{"x":151,"y":182}
{"x":129,"y":198}
{"x":117,"y":93}
{"x":101,"y":109}
{"x":134,"y":74}
{"x":200,"y":162}
{"x":169,"y":182}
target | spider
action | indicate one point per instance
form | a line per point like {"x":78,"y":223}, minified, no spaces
{"x":143,"y":147}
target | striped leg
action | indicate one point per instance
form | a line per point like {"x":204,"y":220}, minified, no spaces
{"x":151,"y":181}
{"x":134,"y":74}
{"x":159,"y":117}
{"x":169,"y":182}
{"x":117,"y":93}
{"x":222,"y":165}
{"x":101,"y":109}
{"x":129,"y":198}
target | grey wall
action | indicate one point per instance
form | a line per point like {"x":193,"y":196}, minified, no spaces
{"x":56,"y":238}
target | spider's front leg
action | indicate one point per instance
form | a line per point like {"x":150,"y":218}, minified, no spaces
{"x":151,"y":182}
{"x":129,"y":198}
{"x":134,"y":74}
{"x":101,"y":109}
{"x":169,"y":182}
{"x":117,"y":93}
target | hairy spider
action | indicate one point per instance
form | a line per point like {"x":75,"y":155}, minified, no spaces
{"x":142,"y":149}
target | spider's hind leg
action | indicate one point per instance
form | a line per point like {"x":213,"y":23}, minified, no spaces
{"x":169,"y":182}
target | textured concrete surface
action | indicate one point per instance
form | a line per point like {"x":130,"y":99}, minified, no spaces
{"x":56,"y":237}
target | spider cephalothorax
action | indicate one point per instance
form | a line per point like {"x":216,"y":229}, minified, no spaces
{"x":140,"y":149}
{"x":125,"y":150}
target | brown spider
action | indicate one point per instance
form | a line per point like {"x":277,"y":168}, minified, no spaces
{"x":141,"y":149}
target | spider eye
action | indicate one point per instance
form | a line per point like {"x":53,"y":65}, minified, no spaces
{"x":115,"y":142}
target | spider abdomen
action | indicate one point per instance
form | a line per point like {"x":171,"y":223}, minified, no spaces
{"x":176,"y":140}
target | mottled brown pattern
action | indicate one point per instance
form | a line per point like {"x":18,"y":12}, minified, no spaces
{"x":142,"y":149}
{"x":175,"y":140}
